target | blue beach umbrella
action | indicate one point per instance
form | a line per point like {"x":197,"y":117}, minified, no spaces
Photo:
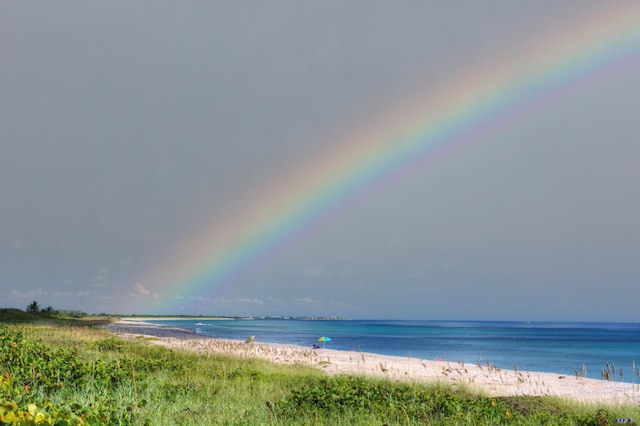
{"x":324,"y":340}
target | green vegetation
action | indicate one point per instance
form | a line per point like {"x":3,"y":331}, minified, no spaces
{"x":51,"y":316}
{"x":68,"y":372}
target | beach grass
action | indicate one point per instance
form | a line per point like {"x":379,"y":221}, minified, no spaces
{"x":56,"y":373}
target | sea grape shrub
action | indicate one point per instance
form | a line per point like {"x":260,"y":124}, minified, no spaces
{"x":46,"y":412}
{"x":31,"y":371}
{"x":49,"y":414}
{"x":34,"y":365}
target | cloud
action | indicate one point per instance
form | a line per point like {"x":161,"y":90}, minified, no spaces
{"x":198,"y":298}
{"x":29,"y":294}
{"x":325,"y":272}
{"x":244,"y":300}
{"x":140,"y":290}
{"x":221,"y":300}
{"x":307,"y":301}
{"x":72,"y":293}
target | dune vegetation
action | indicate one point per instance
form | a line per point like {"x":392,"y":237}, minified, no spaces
{"x":69,"y":371}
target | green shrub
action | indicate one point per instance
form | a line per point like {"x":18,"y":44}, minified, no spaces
{"x":395,"y":402}
{"x":32,"y":371}
{"x":109,"y":344}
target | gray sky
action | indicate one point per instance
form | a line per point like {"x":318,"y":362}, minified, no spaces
{"x":124,"y":126}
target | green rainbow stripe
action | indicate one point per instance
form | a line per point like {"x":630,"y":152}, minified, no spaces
{"x":579,"y":55}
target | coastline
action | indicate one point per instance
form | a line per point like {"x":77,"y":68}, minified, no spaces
{"x":490,"y":380}
{"x":144,"y":320}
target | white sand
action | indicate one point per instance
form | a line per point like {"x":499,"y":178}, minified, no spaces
{"x":490,"y":380}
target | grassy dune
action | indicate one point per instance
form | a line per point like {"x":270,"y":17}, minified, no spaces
{"x":70,"y":372}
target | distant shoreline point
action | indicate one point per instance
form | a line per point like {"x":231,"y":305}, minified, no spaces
{"x":218,"y":318}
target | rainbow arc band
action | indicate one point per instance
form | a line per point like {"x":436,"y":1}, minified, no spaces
{"x":591,"y":49}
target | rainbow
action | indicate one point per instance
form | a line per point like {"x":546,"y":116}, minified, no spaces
{"x":586,"y":51}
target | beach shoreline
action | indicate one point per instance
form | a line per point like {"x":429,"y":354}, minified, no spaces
{"x":144,"y":320}
{"x":483,"y":378}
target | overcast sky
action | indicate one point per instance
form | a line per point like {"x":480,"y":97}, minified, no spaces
{"x":124,"y":126}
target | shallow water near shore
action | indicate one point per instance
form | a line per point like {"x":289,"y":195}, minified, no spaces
{"x":557,"y":347}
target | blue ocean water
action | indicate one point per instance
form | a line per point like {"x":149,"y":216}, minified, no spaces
{"x":558,"y":347}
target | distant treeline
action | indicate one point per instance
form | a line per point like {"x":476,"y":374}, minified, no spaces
{"x":34,"y":307}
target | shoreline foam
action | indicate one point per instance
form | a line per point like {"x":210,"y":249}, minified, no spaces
{"x":490,"y":380}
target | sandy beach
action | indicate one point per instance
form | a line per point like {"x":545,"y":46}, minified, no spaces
{"x":490,"y":380}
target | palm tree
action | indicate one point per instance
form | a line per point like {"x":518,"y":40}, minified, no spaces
{"x":33,"y":307}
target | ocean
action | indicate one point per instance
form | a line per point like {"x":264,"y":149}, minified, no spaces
{"x":556,"y":347}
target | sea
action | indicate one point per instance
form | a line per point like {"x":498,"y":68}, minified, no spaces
{"x":566,"y":348}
